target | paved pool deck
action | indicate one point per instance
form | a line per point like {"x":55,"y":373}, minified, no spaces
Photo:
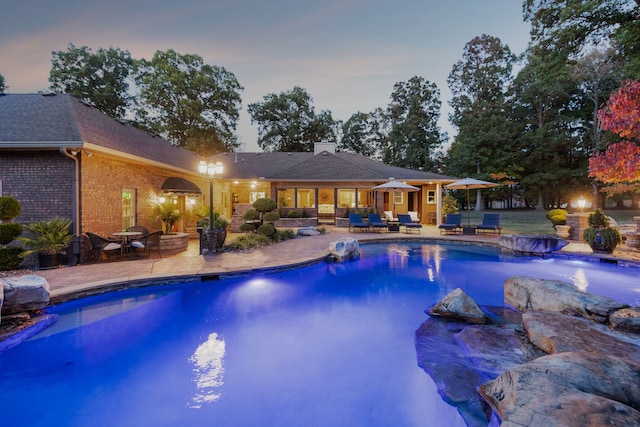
{"x":82,"y":280}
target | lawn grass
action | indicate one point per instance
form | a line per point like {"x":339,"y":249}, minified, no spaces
{"x":533,"y":221}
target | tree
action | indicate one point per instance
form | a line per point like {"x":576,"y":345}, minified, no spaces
{"x":98,"y":78}
{"x":3,"y":87}
{"x":478,"y":83}
{"x":566,"y":27}
{"x":288,"y":122}
{"x":619,"y":165}
{"x":190,"y":103}
{"x":552,"y":147}
{"x":414,"y":135}
{"x":363,"y":133}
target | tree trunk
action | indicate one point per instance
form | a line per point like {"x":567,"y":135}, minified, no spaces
{"x":540,"y":205}
{"x":479,"y":205}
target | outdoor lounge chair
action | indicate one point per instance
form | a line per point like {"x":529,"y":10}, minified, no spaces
{"x":408,"y":224}
{"x":451,"y":224}
{"x":356,"y":223}
{"x":101,"y":245}
{"x":147,"y":242}
{"x":490,"y":222}
{"x":376,"y":222}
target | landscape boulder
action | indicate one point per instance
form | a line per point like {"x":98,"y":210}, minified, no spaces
{"x":626,"y":319}
{"x":457,"y":304}
{"x":344,"y":249}
{"x":568,"y":389}
{"x":24,"y":293}
{"x":528,"y":293}
{"x":532,"y":243}
{"x":307,"y":231}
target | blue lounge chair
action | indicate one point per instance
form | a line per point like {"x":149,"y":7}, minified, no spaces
{"x":376,"y":222}
{"x":490,"y":222}
{"x":451,"y":224}
{"x":356,"y":223}
{"x":408,"y":224}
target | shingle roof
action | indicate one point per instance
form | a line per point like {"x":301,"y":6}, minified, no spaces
{"x":50,"y":121}
{"x":324,"y":166}
{"x":54,"y":121}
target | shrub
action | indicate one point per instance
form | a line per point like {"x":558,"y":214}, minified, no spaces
{"x":293,"y":213}
{"x":248,"y":227}
{"x":557,"y":217}
{"x":305,"y":213}
{"x":9,"y":258}
{"x":267,"y":230}
{"x":9,"y":208}
{"x":264,"y":205}
{"x":9,"y":232}
{"x":249,"y":241}
{"x":282,"y":235}
{"x":251,"y":215}
{"x":598,"y":219}
{"x":449,"y":205}
{"x":271,"y":217}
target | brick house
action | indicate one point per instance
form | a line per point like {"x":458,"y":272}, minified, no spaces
{"x":62,"y":157}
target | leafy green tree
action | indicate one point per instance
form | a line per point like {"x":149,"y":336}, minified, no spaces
{"x":363,"y":134}
{"x":190,"y":103}
{"x":288,"y":122}
{"x":99,"y":78}
{"x":597,"y":74}
{"x":566,"y":27}
{"x":553,"y":148}
{"x":3,"y":87}
{"x":486,"y":135}
{"x":414,"y":136}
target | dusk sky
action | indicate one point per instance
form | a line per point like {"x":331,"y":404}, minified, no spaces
{"x":347,"y":54}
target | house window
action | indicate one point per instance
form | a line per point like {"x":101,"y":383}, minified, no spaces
{"x":306,"y":198}
{"x":431,"y":197}
{"x":363,"y":198}
{"x":128,"y":208}
{"x":286,"y":198}
{"x":398,"y":198}
{"x":255,"y":195}
{"x":347,"y":198}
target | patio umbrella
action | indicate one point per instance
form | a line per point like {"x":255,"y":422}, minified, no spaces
{"x":395,"y":185}
{"x":468,"y":184}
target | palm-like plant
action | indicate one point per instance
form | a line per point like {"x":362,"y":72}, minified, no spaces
{"x":47,"y":237}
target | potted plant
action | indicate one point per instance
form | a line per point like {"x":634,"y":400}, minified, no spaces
{"x":220,"y":225}
{"x":599,"y":235}
{"x":47,"y":238}
{"x":168,"y":214}
{"x":558,"y":218}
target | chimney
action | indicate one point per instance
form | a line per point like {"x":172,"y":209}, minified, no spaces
{"x":319,"y":147}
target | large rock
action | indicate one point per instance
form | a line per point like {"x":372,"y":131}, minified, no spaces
{"x":527,"y":293}
{"x":345,"y":249}
{"x":568,"y":389}
{"x":458,"y":305}
{"x":532,"y":243}
{"x":548,"y":331}
{"x":24,"y":293}
{"x":307,"y":231}
{"x":627,"y":319}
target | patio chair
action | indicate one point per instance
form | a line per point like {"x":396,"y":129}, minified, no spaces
{"x":490,"y":222}
{"x":140,"y":228}
{"x":388,"y":216}
{"x":451,"y":224}
{"x":147,"y":242}
{"x":356,"y":223}
{"x":414,"y":215}
{"x":101,"y":245}
{"x":408,"y":224}
{"x":376,"y":222}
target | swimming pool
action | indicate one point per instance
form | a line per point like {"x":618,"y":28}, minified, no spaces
{"x":325,"y":345}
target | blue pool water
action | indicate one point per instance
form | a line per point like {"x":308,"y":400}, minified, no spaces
{"x":326,"y":345}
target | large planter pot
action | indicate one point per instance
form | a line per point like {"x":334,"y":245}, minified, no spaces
{"x":563,"y":231}
{"x":602,"y":240}
{"x":48,"y":261}
{"x":221,"y":236}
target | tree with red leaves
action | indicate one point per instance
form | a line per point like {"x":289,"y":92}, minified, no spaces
{"x":619,"y":165}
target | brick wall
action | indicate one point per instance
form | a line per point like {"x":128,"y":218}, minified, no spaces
{"x":42,"y":181}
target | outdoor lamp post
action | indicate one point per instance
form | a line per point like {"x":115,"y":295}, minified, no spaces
{"x":581,"y":203}
{"x":210,"y":171}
